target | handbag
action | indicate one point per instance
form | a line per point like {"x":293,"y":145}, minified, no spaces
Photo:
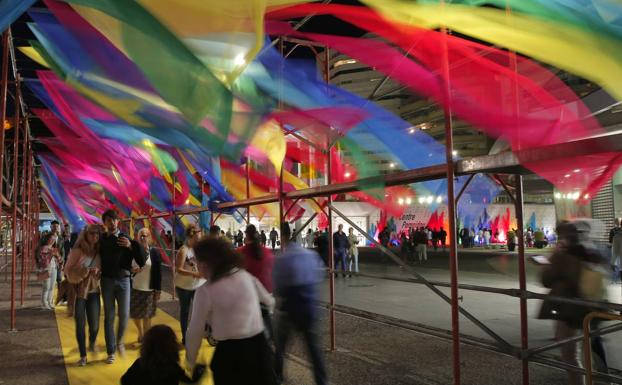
{"x":42,"y":275}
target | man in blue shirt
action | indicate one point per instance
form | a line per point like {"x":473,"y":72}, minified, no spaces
{"x":296,"y":273}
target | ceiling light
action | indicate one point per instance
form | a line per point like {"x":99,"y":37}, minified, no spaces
{"x":408,"y":201}
{"x":400,"y":201}
{"x":392,"y":165}
{"x":455,"y":153}
{"x":430,"y":199}
{"x":439,"y":199}
{"x":347,"y":174}
{"x":577,"y":170}
{"x":421,"y":200}
{"x":239,"y":60}
{"x":411,"y":130}
{"x":567,"y":176}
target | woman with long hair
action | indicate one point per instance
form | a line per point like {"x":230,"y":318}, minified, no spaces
{"x":258,"y":261}
{"x":229,"y":303}
{"x":158,"y":363}
{"x":83,"y":270}
{"x":188,"y":278}
{"x":146,"y":285}
{"x":48,"y":261}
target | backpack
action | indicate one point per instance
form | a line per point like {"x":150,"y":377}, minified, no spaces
{"x":591,"y":282}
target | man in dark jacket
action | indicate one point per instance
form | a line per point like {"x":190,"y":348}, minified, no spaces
{"x":341,"y":246}
{"x":322,"y":245}
{"x":296,"y":273}
{"x":116,"y":252}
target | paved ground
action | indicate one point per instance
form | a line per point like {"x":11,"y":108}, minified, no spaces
{"x":368,"y":352}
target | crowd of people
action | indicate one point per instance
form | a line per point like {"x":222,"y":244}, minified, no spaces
{"x":237,"y":295}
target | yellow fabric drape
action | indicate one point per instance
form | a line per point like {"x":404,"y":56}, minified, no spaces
{"x":589,"y":55}
{"x":270,"y":140}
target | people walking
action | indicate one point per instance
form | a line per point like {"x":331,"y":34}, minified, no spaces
{"x":48,"y":261}
{"x":309,"y":239}
{"x":258,"y":261}
{"x":442,"y":235}
{"x":421,"y":240}
{"x":353,"y":251}
{"x":263,"y":238}
{"x":274,"y":236}
{"x":296,"y":273}
{"x":117,"y":252}
{"x":229,"y":303}
{"x":83,"y":271}
{"x":573,"y":272}
{"x":341,"y":246}
{"x":146,"y":285}
{"x":187,"y":278}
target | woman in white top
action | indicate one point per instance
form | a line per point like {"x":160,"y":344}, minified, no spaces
{"x":146,"y":285}
{"x":229,"y":303}
{"x":84,"y":270}
{"x":188,"y":278}
{"x":48,"y":262}
{"x":353,"y":251}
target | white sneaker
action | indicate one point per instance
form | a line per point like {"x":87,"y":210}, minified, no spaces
{"x":82,"y":361}
{"x":110,"y":359}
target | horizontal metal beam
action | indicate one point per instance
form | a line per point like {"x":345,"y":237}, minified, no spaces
{"x":503,"y":163}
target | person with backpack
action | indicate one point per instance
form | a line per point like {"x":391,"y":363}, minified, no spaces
{"x":575,"y":271}
{"x":615,"y":239}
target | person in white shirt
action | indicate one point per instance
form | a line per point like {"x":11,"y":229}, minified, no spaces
{"x":146,"y":285}
{"x":188,"y":278}
{"x":229,"y":303}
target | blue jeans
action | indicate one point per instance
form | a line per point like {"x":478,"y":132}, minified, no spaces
{"x":87,"y":309}
{"x":185,"y":300}
{"x":115,"y":289}
{"x":341,"y":256}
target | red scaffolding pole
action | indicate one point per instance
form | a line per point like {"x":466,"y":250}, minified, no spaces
{"x":14,"y":204}
{"x":451,"y":212}
{"x":24,"y":214}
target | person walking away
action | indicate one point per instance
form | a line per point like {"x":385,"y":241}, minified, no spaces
{"x":571,"y":275}
{"x":422,"y":245}
{"x":486,"y":238}
{"x":442,"y":234}
{"x":69,"y":296}
{"x":322,"y":246}
{"x":48,"y":262}
{"x":158,"y":363}
{"x":297,"y":272}
{"x":83,"y":271}
{"x":188,"y":277}
{"x":117,"y":252}
{"x":258,"y":261}
{"x":146,"y":285}
{"x":340,"y":243}
{"x":58,"y":245}
{"x":353,"y":251}
{"x":229,"y":304}
{"x":435,"y":236}
{"x":309,"y":239}
{"x":615,"y":239}
{"x":274,"y":236}
{"x":263,"y":238}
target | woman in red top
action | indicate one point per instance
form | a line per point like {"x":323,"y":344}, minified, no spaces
{"x":258,"y":261}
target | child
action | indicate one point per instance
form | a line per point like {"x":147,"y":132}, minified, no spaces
{"x":159,"y":361}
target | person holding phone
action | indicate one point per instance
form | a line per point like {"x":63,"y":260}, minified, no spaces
{"x":117,"y":252}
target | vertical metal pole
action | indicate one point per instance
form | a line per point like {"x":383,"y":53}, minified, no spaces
{"x":14,"y":203}
{"x":173,"y":238}
{"x":24,"y":227}
{"x":248,"y":189}
{"x":281,"y":213}
{"x":331,"y":254}
{"x":451,"y":206}
{"x":4,"y":84}
{"x":522,"y":280}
